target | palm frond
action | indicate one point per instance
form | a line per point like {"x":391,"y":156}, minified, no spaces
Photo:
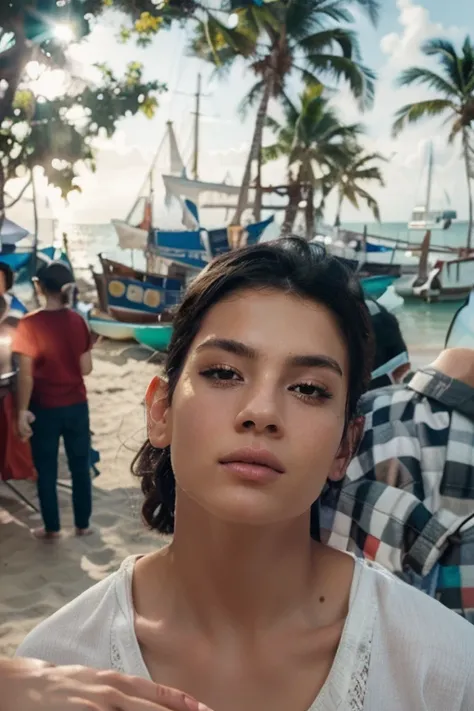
{"x":467,"y":68}
{"x":309,"y":78}
{"x":273,"y":152}
{"x":456,"y":128}
{"x":360,"y":79}
{"x":346,"y":39}
{"x":447,"y":56}
{"x":302,"y":17}
{"x":273,"y":124}
{"x":372,"y":203}
{"x":412,"y":113}
{"x":290,"y":111}
{"x":419,"y":75}
{"x":372,"y":8}
{"x":251,"y":98}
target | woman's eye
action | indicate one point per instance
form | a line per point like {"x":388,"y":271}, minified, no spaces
{"x":220,"y":374}
{"x":311,"y":392}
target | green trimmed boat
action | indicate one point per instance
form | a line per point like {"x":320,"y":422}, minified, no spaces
{"x":155,"y":336}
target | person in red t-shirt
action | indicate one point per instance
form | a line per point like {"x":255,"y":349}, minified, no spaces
{"x":54,"y":349}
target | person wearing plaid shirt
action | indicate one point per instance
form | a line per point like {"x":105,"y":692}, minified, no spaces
{"x":407,"y":500}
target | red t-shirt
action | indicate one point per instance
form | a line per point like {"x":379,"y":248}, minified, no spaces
{"x":55,"y":340}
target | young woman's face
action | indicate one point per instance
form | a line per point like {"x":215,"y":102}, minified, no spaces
{"x":257,"y":418}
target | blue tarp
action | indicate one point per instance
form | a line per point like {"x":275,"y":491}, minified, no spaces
{"x":377,"y":248}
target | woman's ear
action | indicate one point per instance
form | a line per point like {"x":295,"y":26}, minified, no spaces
{"x":157,"y":409}
{"x":348,"y":449}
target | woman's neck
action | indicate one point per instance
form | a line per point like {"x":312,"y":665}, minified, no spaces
{"x":239,"y":577}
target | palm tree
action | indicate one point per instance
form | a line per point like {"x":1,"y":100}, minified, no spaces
{"x":355,"y":168}
{"x":283,"y":40}
{"x":454,"y":84}
{"x":314,"y":141}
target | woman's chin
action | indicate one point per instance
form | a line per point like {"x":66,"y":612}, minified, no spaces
{"x":250,"y":508}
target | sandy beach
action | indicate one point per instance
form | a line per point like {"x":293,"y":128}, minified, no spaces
{"x":38,"y":578}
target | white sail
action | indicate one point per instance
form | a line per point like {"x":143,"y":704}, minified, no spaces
{"x":200,"y":192}
{"x":176,"y":165}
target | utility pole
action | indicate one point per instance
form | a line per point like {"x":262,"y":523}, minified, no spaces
{"x":196,"y":129}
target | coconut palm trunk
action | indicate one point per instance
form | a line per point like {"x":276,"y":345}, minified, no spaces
{"x":309,"y":212}
{"x":254,"y":154}
{"x":337,"y":221}
{"x":2,"y":196}
{"x":294,"y":199}
{"x":467,"y":161}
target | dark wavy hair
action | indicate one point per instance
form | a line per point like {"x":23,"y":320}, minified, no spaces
{"x":290,"y":265}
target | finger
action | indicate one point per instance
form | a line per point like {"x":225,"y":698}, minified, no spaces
{"x":131,"y":704}
{"x":133,"y":686}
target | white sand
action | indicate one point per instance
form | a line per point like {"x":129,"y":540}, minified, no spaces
{"x":37,"y":578}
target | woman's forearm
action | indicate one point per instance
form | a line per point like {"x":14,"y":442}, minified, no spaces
{"x":25,"y":388}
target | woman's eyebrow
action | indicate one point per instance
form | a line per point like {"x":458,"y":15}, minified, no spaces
{"x":245,"y":351}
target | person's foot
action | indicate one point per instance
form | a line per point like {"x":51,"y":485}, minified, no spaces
{"x":42,"y":535}
{"x":84,"y":531}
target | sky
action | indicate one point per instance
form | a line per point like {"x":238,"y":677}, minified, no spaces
{"x":225,"y":135}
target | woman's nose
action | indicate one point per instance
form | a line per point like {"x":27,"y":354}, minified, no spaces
{"x":261,"y":413}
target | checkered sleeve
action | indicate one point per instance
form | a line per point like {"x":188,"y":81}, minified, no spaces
{"x":382,"y":510}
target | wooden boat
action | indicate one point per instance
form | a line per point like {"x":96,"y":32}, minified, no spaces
{"x":103,"y":325}
{"x":156,"y":337}
{"x":133,"y":296}
{"x":461,"y":330}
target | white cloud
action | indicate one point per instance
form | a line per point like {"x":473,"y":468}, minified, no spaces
{"x":405,"y":173}
{"x":403,"y":48}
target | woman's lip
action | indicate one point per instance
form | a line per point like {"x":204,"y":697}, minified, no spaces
{"x":252,"y":472}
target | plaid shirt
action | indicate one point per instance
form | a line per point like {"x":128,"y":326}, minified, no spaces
{"x":407,"y":500}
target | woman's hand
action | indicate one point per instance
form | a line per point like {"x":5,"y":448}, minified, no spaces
{"x":25,"y":420}
{"x":32,"y":685}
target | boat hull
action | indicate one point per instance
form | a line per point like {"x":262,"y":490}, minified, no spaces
{"x":448,"y":281}
{"x":132,"y":316}
{"x":108,"y":328}
{"x":139,"y":298}
{"x":375,"y":286}
{"x":156,"y":337}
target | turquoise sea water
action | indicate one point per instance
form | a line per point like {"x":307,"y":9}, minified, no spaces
{"x":424,"y":326}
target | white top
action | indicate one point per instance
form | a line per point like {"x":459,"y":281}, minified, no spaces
{"x":400,"y":650}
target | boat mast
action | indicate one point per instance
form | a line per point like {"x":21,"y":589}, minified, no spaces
{"x":430,"y":182}
{"x":197,"y":115}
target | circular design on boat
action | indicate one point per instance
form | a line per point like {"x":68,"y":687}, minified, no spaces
{"x":152,"y":298}
{"x":116,"y":288}
{"x":135,"y":294}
